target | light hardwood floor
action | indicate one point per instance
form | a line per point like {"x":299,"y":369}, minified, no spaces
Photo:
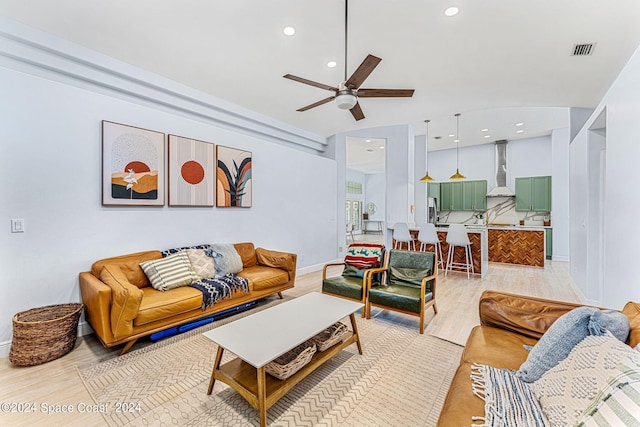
{"x":58,"y":383}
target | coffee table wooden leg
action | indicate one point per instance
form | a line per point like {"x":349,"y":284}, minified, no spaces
{"x":216,"y":365}
{"x":355,"y":332}
{"x":262,"y":396}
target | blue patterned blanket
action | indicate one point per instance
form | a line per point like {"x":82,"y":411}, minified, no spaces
{"x":215,"y":289}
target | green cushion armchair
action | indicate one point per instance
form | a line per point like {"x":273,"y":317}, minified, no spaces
{"x":409,"y":285}
{"x":356,"y":275}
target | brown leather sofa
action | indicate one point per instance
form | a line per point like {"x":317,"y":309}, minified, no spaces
{"x":121,"y":306}
{"x":507,"y":322}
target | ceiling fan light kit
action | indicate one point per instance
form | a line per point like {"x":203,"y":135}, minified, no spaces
{"x":345,"y":99}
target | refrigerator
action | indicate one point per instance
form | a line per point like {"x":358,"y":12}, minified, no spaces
{"x":432,"y":210}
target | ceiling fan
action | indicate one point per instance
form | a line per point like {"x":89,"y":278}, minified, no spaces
{"x":346,"y":94}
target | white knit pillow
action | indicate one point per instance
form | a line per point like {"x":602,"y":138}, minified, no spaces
{"x":566,"y":390}
{"x":202,"y":264}
{"x":170,"y":272}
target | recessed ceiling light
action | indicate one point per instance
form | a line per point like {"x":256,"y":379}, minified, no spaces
{"x":451,"y":135}
{"x":456,"y":140}
{"x":487,"y":136}
{"x":519,"y":131}
{"x":485,"y":130}
{"x":368,"y":140}
{"x":451,"y":11}
{"x":332,"y":64}
{"x":382,"y":147}
{"x":520,"y":124}
{"x":289,"y":31}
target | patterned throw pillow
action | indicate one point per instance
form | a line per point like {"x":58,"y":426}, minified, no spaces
{"x":172,"y":251}
{"x":202,"y":264}
{"x":226,"y":259}
{"x":565,"y":391}
{"x":618,"y":404}
{"x":364,"y":255}
{"x":170,"y":272}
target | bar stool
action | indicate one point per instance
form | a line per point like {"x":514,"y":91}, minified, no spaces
{"x":402,"y":235}
{"x":429,"y":236}
{"x":457,"y":236}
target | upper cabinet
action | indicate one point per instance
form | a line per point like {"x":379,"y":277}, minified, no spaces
{"x":463,"y":196}
{"x":474,"y":196}
{"x":433,"y":190}
{"x":533,"y":194}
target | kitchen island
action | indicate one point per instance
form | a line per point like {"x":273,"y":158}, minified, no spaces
{"x":479,"y":246}
{"x":522,"y":245}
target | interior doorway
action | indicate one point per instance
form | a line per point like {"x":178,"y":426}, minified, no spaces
{"x":365,"y":189}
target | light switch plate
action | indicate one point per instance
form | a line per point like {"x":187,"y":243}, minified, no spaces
{"x":17,"y":225}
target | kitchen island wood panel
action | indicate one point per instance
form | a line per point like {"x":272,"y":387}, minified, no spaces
{"x":513,"y":246}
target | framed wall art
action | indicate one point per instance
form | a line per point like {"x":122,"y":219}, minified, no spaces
{"x":233,"y":177}
{"x":132,"y":166}
{"x":191,"y":172}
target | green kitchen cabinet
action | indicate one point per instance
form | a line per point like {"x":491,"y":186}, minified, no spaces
{"x":451,"y":196}
{"x":433,"y":190}
{"x":533,"y":194}
{"x":474,"y":196}
{"x":549,"y":241}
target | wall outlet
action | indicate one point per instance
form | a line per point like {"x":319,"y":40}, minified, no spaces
{"x":17,"y":225}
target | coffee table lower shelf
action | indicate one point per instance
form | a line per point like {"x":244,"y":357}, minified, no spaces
{"x":262,"y":390}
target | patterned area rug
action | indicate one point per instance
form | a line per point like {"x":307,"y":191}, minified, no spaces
{"x":400,"y":380}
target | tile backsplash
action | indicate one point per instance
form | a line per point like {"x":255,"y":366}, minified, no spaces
{"x":500,"y":210}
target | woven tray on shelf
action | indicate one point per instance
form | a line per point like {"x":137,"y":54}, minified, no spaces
{"x":44,"y":334}
{"x":330,"y":336}
{"x":292,"y":361}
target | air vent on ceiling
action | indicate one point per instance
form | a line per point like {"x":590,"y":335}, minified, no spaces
{"x":583,"y":49}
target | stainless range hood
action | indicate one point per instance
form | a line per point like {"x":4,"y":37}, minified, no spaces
{"x":501,"y":189}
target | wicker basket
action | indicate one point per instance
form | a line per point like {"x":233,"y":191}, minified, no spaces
{"x":44,"y":334}
{"x":330,"y":336}
{"x":292,"y":361}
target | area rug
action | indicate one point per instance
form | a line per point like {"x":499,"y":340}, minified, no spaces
{"x":400,"y":380}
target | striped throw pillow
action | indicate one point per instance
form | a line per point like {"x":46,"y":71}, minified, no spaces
{"x":170,"y":272}
{"x":618,"y":404}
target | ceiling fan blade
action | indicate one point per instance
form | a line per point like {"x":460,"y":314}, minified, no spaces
{"x":310,"y":82}
{"x":360,"y":75}
{"x":385,"y":93}
{"x":356,"y":111}
{"x":315,"y":104}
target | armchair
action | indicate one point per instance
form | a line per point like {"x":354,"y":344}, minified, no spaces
{"x":409,"y":284}
{"x":356,"y":275}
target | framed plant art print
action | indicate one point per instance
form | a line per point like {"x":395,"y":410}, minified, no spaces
{"x":233,"y":177}
{"x":132,"y":166}
{"x":191,"y":172}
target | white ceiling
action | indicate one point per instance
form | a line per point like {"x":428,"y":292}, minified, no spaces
{"x":496,"y":62}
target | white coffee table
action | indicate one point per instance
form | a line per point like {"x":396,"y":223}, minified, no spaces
{"x":262,"y":337}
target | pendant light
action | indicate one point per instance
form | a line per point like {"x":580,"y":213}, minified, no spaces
{"x":457,"y":176}
{"x":426,"y":177}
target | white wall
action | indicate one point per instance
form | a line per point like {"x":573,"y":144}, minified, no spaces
{"x":621,"y":201}
{"x":51,"y":170}
{"x":376,"y":194}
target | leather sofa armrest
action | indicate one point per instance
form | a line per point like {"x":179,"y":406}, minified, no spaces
{"x":125,"y":297}
{"x":283,"y":260}
{"x":525,"y":315}
{"x":96,"y":297}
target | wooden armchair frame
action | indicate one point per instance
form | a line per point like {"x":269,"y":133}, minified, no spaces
{"x":424,"y":305}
